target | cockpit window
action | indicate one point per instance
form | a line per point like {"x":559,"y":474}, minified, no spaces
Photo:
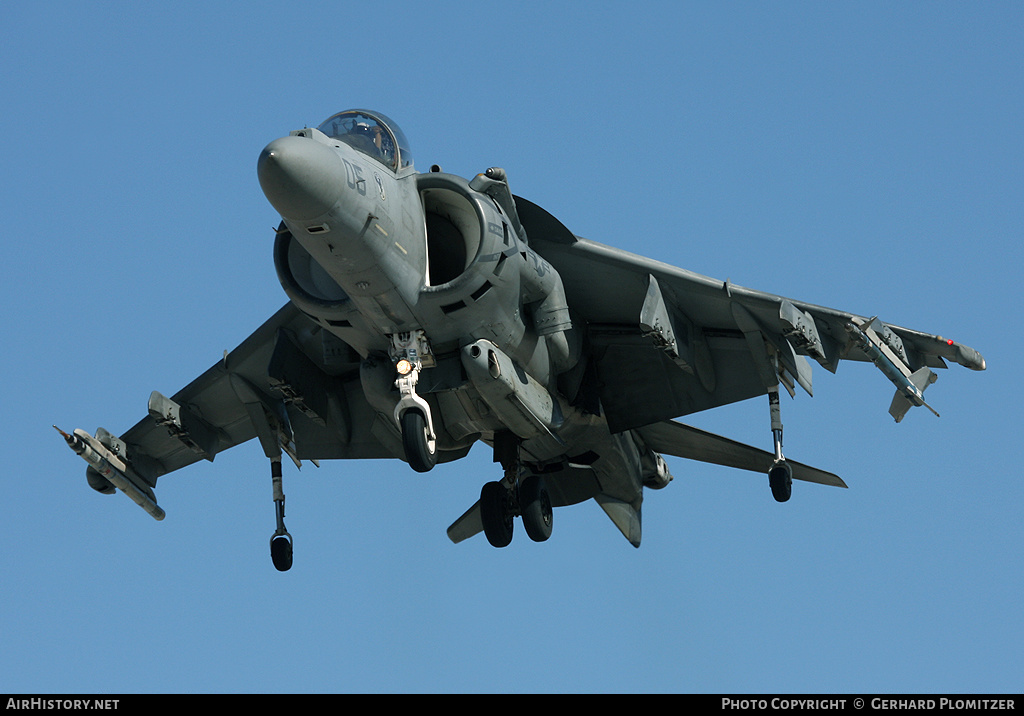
{"x":370,"y":133}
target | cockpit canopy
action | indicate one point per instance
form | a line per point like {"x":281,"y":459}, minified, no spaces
{"x":372,"y":134}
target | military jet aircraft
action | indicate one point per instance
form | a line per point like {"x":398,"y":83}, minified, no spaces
{"x":427,"y":313}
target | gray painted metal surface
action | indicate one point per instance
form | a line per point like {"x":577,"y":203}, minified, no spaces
{"x":427,"y":313}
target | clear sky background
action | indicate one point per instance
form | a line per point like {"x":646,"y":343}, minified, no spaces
{"x":866,"y":156}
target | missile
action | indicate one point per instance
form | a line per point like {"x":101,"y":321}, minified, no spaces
{"x":909,"y":386}
{"x":111,"y":467}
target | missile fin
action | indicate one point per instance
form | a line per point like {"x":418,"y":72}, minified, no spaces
{"x":903,"y":400}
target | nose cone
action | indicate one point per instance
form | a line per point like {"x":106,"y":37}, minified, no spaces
{"x":302,"y":178}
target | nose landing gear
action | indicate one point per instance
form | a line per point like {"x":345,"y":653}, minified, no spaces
{"x":411,"y":353}
{"x":417,"y":440}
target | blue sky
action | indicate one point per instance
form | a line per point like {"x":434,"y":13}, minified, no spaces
{"x":866,"y":156}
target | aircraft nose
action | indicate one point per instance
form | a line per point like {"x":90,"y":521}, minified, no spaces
{"x":301,"y":178}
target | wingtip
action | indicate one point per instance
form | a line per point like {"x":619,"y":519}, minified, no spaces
{"x":965,"y":355}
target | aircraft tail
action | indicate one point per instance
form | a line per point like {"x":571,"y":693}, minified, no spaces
{"x":672,"y":438}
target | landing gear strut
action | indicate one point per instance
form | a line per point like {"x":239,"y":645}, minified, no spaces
{"x":280,"y":541}
{"x":411,"y":353}
{"x":780,"y":476}
{"x":502,"y":501}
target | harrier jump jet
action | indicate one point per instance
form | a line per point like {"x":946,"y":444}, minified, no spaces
{"x":427,"y":313}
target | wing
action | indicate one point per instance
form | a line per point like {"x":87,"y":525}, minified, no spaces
{"x":291,"y":384}
{"x":662,"y":342}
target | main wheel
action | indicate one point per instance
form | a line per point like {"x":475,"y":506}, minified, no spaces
{"x":496,"y":514}
{"x":420,"y":450}
{"x":535,"y":504}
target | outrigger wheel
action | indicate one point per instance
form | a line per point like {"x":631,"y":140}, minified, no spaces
{"x":780,"y":479}
{"x":281,"y":551}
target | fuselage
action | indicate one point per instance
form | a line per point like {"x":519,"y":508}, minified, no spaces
{"x":372,"y":250}
{"x":433,"y":323}
{"x":464,"y":330}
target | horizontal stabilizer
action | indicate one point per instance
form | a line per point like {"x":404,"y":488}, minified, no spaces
{"x":674,"y":438}
{"x":466,"y":526}
{"x":624,"y":515}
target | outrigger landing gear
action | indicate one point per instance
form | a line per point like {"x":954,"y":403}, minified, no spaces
{"x":502,"y":501}
{"x":780,"y":476}
{"x":280,"y":541}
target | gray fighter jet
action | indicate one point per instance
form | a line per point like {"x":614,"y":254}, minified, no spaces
{"x":427,"y":313}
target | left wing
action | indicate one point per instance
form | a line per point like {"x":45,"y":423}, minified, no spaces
{"x":665,"y":342}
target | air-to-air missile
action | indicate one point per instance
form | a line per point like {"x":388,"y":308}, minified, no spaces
{"x":113,"y":469}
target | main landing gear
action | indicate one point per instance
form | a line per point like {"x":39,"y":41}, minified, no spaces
{"x":502,"y":501}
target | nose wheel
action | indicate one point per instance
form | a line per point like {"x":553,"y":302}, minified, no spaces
{"x":420,"y":446}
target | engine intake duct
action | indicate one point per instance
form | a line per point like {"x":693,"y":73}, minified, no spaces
{"x":455,"y":226}
{"x":305,"y":282}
